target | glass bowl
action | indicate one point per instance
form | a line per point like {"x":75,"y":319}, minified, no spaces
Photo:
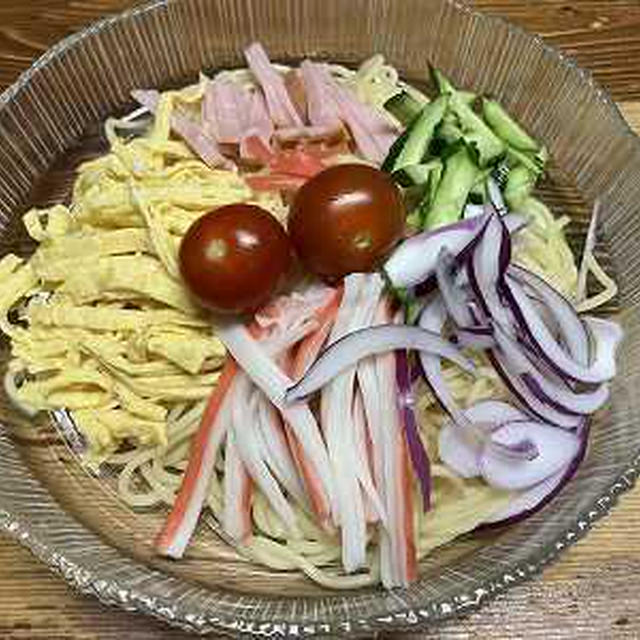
{"x":50,"y":120}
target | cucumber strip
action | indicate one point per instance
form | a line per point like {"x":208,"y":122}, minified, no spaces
{"x":519,"y":186}
{"x":459,"y":175}
{"x":449,"y":130}
{"x":468,"y":97}
{"x":416,"y":174}
{"x":476,"y":133}
{"x":446,"y":88}
{"x":427,"y":196}
{"x":432,"y":185}
{"x":420,"y":134}
{"x":506,"y":128}
{"x":478,"y":192}
{"x":443,"y":84}
{"x":404,"y":107}
{"x":411,"y":175}
{"x":534,"y":162}
{"x":394,"y":151}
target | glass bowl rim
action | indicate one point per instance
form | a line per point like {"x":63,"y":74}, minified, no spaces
{"x":114,"y":593}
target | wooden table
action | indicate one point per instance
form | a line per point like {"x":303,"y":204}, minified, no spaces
{"x":593,"y":591}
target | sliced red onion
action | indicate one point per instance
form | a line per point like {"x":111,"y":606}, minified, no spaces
{"x":479,"y":338}
{"x":521,"y":391}
{"x":351,"y":348}
{"x":603,"y":366}
{"x":573,"y":331}
{"x":606,"y":336}
{"x":453,"y":296}
{"x":487,"y":267}
{"x":533,"y":499}
{"x":473,"y":210}
{"x":461,"y":453}
{"x":556,"y":448}
{"x":514,"y":222}
{"x":556,"y":393}
{"x":529,"y":498}
{"x":415,"y":259}
{"x":432,"y":319}
{"x":417,"y":452}
{"x":495,"y":412}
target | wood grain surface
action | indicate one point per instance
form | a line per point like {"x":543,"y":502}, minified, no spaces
{"x":592,"y":592}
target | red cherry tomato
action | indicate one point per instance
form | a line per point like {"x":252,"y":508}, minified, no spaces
{"x":346,"y":219}
{"x":233,"y":258}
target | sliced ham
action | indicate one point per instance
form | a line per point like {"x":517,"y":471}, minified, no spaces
{"x":281,"y":108}
{"x":322,"y":110}
{"x":225,"y":110}
{"x":311,"y":133}
{"x":295,"y":88}
{"x":201,"y":143}
{"x":329,"y":103}
{"x":255,"y":143}
{"x":372,"y":133}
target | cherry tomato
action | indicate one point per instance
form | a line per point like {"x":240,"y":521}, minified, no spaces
{"x":232,"y":259}
{"x":346,"y":219}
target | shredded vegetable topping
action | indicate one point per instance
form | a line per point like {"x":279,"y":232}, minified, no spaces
{"x":102,"y":327}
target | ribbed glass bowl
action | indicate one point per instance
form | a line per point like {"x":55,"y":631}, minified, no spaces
{"x":50,"y":120}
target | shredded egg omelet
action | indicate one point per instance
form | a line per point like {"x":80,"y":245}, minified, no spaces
{"x":101,"y":323}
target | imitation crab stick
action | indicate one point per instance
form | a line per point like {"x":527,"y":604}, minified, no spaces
{"x":269,"y":377}
{"x":363,"y":445}
{"x":310,"y":347}
{"x":398,"y":562}
{"x":183,"y":518}
{"x":238,"y":488}
{"x":244,"y":409}
{"x":276,"y":450}
{"x":305,"y":354}
{"x":181,"y":523}
{"x":357,"y":308}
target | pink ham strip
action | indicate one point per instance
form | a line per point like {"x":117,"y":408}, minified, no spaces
{"x":255,"y":142}
{"x":373,"y":135}
{"x":281,"y":108}
{"x":226,"y":109}
{"x":313,"y":133}
{"x":191,"y":132}
{"x":328,"y":102}
{"x":321,"y":107}
{"x":295,"y":88}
